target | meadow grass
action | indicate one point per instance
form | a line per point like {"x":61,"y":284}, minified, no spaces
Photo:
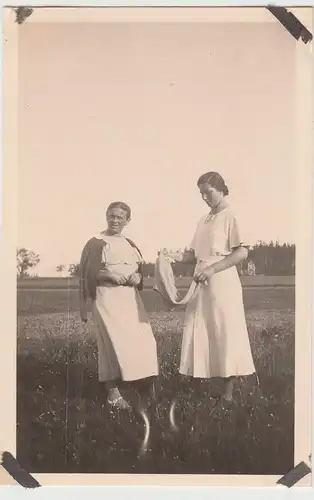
{"x":63,"y":424}
{"x":42,"y":283}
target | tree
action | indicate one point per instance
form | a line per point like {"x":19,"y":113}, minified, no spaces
{"x":273,"y":259}
{"x":25,"y":259}
{"x":74,"y":270}
{"x":60,"y":268}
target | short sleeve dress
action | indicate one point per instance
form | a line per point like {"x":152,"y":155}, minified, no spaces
{"x":215,"y":340}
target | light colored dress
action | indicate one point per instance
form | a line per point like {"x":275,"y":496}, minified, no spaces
{"x":215,"y":340}
{"x":126,"y":344}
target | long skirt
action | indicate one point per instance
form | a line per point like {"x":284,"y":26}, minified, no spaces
{"x":215,"y":340}
{"x":126,"y":345}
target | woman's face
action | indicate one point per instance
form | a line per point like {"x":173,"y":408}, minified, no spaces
{"x":117,"y":219}
{"x":210,"y":195}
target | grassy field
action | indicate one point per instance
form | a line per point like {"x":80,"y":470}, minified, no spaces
{"x":64,"y":425}
{"x":72,"y":283}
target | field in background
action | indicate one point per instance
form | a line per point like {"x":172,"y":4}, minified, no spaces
{"x":64,"y":425}
{"x":50,"y":301}
{"x":48,"y":283}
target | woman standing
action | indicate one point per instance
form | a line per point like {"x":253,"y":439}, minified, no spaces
{"x":215,"y":339}
{"x":110,"y":275}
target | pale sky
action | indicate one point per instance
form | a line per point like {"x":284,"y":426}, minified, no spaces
{"x":136,"y":112}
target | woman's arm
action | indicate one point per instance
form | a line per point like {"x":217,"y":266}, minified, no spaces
{"x":237,"y":255}
{"x":187,"y":257}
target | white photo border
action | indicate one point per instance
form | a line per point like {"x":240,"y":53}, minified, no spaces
{"x":304,"y":257}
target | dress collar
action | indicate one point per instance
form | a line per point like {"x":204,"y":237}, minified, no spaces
{"x":212,"y":216}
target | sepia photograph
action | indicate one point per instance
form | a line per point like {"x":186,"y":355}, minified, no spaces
{"x":156,"y":243}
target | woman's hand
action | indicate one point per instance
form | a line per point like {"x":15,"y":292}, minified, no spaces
{"x":117,"y":279}
{"x":107,"y":276}
{"x":203,"y":276}
{"x":176,"y":256}
{"x":187,"y":257}
{"x":134,"y":279}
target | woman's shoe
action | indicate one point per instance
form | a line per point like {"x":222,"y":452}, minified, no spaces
{"x":119,"y":403}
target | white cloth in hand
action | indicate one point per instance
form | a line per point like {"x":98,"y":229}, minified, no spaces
{"x":165,"y":282}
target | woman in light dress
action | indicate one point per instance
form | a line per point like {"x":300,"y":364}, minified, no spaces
{"x":110,"y":275}
{"x":215,"y":339}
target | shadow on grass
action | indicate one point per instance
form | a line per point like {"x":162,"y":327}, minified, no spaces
{"x":64,"y":424}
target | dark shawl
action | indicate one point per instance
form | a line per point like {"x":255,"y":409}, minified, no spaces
{"x":90,"y":265}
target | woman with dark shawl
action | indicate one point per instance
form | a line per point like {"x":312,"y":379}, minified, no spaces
{"x":111,"y":276}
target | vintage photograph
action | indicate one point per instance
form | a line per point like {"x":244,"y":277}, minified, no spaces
{"x":156,"y":246}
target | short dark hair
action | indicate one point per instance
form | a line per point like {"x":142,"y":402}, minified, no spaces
{"x":122,"y":205}
{"x":215,"y":180}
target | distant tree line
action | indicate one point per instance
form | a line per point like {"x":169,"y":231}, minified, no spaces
{"x":270,"y":259}
{"x":273,"y":259}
